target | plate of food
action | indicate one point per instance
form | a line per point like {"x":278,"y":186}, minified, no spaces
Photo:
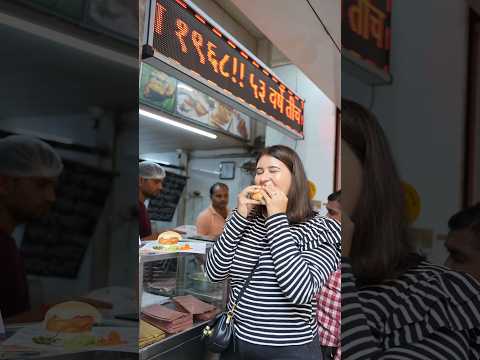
{"x":240,"y":125}
{"x":73,"y":326}
{"x":158,"y":88}
{"x":170,"y":241}
{"x":193,"y":104}
{"x":221,"y":116}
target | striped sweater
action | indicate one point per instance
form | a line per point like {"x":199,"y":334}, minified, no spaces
{"x":278,"y":308}
{"x":427,"y":313}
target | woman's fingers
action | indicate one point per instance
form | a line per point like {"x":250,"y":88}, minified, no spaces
{"x":273,"y":190}
{"x":267,"y":196}
{"x":267,"y":192}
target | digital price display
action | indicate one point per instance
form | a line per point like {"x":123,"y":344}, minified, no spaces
{"x":181,"y":34}
{"x":366,"y":30}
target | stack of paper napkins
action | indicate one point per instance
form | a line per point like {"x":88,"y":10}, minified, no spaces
{"x":170,"y":321}
{"x":200,"y":310}
{"x":149,"y":334}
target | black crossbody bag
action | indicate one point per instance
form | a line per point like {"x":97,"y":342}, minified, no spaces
{"x":218,"y":334}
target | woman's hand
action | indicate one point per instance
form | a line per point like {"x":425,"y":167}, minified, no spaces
{"x":275,"y":200}
{"x":348,"y":229}
{"x":245,"y":204}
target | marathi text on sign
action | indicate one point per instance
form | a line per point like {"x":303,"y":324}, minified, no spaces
{"x":188,"y":39}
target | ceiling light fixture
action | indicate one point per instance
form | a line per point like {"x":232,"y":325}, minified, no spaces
{"x":161,"y":162}
{"x":180,"y":125}
{"x":185,"y":87}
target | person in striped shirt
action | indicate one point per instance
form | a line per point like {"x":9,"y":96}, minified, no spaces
{"x":297,"y":250}
{"x":395,"y":305}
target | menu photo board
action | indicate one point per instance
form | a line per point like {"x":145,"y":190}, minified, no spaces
{"x":198,"y":106}
{"x":157,"y":89}
{"x":366,"y":32}
{"x":166,"y":93}
{"x":184,"y":37}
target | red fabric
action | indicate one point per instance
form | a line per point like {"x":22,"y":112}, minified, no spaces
{"x":145,"y":228}
{"x":329,"y":313}
{"x":14,"y":298}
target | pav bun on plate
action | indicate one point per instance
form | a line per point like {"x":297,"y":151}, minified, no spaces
{"x":169,"y":238}
{"x":71,"y":317}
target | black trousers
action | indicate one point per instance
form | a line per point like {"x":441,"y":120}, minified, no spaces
{"x":247,"y":351}
{"x":329,"y":352}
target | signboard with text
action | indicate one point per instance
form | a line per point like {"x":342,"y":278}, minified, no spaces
{"x":181,"y":34}
{"x":366,"y":30}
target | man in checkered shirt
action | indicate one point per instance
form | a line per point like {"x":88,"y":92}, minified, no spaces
{"x":329,"y":299}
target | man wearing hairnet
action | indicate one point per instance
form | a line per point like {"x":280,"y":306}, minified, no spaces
{"x":29,"y":169}
{"x":150,"y":184}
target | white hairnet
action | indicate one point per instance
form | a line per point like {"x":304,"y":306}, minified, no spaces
{"x":151,"y":170}
{"x":25,"y":156}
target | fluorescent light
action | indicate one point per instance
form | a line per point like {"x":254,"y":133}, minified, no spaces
{"x":166,"y":163}
{"x":185,"y":87}
{"x":207,"y":171}
{"x":176,"y":123}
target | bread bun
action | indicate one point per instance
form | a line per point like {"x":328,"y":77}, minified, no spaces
{"x":169,"y":238}
{"x":256,"y":195}
{"x":71,"y":317}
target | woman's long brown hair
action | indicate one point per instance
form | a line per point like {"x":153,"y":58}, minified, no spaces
{"x":299,"y":207}
{"x":381,"y":249}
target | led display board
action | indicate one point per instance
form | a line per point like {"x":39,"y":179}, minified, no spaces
{"x":366,"y":31}
{"x":178,"y":32}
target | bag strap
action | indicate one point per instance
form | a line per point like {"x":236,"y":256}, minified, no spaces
{"x":245,"y":284}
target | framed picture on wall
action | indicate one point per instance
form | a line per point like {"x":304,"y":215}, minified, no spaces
{"x":227,"y":170}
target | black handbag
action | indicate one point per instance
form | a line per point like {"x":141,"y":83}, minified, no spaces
{"x":218,"y":334}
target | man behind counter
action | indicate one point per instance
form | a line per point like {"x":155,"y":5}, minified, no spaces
{"x":463,"y":241}
{"x":150,"y":185}
{"x":211,"y":221}
{"x":29,"y":169}
{"x":333,"y":206}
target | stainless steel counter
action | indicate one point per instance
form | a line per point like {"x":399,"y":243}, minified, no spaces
{"x":185,"y":345}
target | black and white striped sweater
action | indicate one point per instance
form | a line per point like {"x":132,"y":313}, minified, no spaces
{"x":278,"y":308}
{"x":427,"y":313}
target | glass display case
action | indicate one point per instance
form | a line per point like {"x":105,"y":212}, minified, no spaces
{"x":164,"y":276}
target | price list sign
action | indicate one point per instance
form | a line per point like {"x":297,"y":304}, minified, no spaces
{"x":184,"y":36}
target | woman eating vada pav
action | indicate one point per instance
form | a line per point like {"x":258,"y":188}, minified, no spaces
{"x":395,"y":304}
{"x":296,"y":249}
